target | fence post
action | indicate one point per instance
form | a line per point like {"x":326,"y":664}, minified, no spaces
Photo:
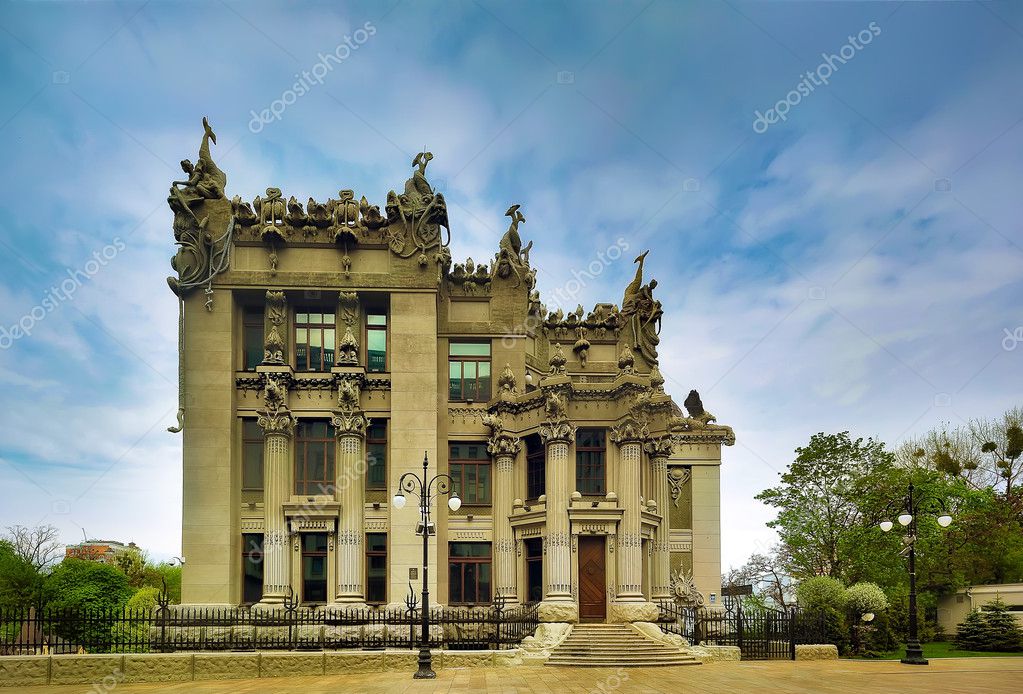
{"x":792,"y":633}
{"x":739,"y":617}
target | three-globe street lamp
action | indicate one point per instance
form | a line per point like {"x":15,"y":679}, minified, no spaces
{"x":912,"y":507}
{"x":425,"y":489}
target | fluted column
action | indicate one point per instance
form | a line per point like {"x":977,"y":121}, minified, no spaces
{"x":629,"y":552}
{"x":557,"y":545}
{"x":350,"y":490}
{"x":504,"y":448}
{"x":278,"y":430}
{"x":660,"y":564}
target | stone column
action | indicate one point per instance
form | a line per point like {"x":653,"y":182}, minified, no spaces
{"x":558,"y":604}
{"x":278,"y":430}
{"x":629,"y":604}
{"x":504,"y":448}
{"x":660,"y":564}
{"x":349,"y":469}
{"x":629,"y":550}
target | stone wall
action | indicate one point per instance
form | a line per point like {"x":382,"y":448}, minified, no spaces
{"x":816,"y":651}
{"x":110,"y":670}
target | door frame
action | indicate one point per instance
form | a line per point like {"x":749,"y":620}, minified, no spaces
{"x":594,"y":540}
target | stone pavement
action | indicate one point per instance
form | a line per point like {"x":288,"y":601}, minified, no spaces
{"x":947,"y":676}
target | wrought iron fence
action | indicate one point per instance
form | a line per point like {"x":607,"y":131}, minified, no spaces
{"x":759,"y":633}
{"x":173,"y":628}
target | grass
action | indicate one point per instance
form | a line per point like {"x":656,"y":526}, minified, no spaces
{"x":941,"y":649}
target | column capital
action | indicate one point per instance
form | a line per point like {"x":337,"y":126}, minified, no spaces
{"x":630,"y":430}
{"x":553,"y":432}
{"x":348,"y":418}
{"x":504,"y":445}
{"x":659,"y":447}
{"x":275,"y":418}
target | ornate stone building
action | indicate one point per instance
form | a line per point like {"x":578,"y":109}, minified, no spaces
{"x":324,"y":347}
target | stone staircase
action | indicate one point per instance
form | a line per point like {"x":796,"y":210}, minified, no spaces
{"x":614,"y":645}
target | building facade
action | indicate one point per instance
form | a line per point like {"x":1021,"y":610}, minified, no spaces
{"x":326,"y":348}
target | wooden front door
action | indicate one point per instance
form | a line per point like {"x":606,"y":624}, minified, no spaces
{"x":592,"y":584}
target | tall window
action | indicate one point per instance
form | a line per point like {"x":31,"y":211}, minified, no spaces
{"x":314,"y":567}
{"x":314,"y":457}
{"x":469,"y":467}
{"x":252,"y":454}
{"x":468,"y":573}
{"x":252,"y":568}
{"x":314,"y":340}
{"x":590,"y":461}
{"x":536,"y":467}
{"x":376,"y":342}
{"x":252,"y":337}
{"x":376,"y":454}
{"x":376,"y":568}
{"x":534,"y":569}
{"x":469,"y":371}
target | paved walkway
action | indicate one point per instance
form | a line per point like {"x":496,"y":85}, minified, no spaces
{"x":948,"y":676}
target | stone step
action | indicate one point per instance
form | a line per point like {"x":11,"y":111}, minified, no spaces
{"x":614,"y":645}
{"x":620,"y":662}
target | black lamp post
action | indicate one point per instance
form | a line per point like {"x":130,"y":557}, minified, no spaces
{"x":912,"y":507}
{"x":424,"y":488}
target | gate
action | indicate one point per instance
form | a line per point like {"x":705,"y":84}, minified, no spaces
{"x":759,"y":633}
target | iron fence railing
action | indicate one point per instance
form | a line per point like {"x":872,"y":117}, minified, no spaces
{"x":175,"y":628}
{"x":759,"y":633}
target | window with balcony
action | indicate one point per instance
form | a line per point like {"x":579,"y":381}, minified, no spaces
{"x":376,"y":454}
{"x":376,"y":342}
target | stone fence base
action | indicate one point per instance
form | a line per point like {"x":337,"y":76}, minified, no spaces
{"x":107,"y":671}
{"x":816,"y":651}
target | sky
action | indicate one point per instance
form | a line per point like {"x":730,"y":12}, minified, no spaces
{"x":830,"y":193}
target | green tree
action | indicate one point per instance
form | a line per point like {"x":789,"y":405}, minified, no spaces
{"x":93,"y":591}
{"x":820,"y":517}
{"x":990,"y":629}
{"x":19,"y":580}
{"x":132,"y":636}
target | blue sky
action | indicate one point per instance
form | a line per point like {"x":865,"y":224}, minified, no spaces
{"x":854,"y":266}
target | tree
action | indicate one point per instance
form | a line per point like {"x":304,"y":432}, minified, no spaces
{"x":39,"y":546}
{"x":990,"y":629}
{"x":819,"y":501}
{"x":863,"y":598}
{"x":771,"y":584}
{"x":133,"y":562}
{"x":94,"y":593}
{"x":985,"y":453}
{"x":19,"y":580}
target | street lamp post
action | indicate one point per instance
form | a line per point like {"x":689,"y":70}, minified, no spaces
{"x":912,"y":507}
{"x":426,"y":491}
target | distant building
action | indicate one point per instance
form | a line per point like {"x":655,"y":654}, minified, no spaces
{"x":952,"y":609}
{"x":325,"y":347}
{"x":103,"y":551}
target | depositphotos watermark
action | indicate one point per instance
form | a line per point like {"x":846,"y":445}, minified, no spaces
{"x":1012,"y":338}
{"x":57,"y":295}
{"x":815,"y":78}
{"x":307,"y":79}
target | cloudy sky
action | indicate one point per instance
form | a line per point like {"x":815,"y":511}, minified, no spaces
{"x":839,"y":250}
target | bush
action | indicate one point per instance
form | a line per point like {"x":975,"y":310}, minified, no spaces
{"x":821,"y":593}
{"x":862,"y":598}
{"x":992,"y":629}
{"x":133,"y":636}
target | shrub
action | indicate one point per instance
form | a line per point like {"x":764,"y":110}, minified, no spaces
{"x":821,"y":593}
{"x":862,"y":598}
{"x":132,"y":636}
